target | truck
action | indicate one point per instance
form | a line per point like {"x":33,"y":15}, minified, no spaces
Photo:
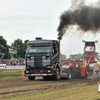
{"x":90,"y":51}
{"x":43,"y":59}
{"x":90,"y":56}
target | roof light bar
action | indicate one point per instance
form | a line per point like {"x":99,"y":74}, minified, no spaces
{"x":83,"y":41}
{"x":96,"y":40}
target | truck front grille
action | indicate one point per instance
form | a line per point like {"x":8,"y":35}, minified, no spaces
{"x":38,"y":64}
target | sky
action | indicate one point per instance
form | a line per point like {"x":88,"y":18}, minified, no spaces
{"x":28,"y":19}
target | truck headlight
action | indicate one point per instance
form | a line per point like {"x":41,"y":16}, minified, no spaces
{"x":49,"y":66}
{"x":27,"y":71}
{"x":49,"y":71}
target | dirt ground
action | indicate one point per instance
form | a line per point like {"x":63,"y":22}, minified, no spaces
{"x":14,"y":84}
{"x":10,"y":70}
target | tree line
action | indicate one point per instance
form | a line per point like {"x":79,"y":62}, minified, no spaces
{"x":17,"y":45}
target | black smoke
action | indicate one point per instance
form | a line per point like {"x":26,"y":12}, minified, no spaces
{"x":86,"y":17}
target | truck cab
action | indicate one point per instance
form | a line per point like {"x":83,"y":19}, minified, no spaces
{"x":42,"y":59}
{"x":90,"y":51}
{"x":90,"y":54}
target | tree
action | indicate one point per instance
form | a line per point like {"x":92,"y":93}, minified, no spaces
{"x":80,"y":56}
{"x":76,"y":56}
{"x":3,"y":48}
{"x":63,"y":56}
{"x":19,"y":46}
{"x":26,"y":41}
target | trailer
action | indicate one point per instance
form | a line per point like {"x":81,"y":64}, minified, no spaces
{"x":77,"y":67}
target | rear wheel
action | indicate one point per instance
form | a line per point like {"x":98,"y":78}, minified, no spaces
{"x":31,"y":77}
{"x":57,"y":74}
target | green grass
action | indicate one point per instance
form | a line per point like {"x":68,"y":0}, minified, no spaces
{"x":12,"y":73}
{"x":86,"y":92}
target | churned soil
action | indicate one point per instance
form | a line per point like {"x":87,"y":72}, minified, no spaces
{"x":14,"y":84}
{"x":10,"y":70}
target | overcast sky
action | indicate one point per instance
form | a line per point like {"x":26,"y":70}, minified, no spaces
{"x":27,"y":19}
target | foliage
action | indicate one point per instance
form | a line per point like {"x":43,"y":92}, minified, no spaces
{"x":76,"y":56}
{"x":26,"y":41}
{"x":19,"y":46}
{"x":63,"y":56}
{"x":3,"y":48}
{"x":16,"y":45}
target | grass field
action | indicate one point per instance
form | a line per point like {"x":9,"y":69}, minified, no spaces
{"x":12,"y":73}
{"x":84,"y":92}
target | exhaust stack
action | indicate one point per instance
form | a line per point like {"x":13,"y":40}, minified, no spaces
{"x":59,"y":52}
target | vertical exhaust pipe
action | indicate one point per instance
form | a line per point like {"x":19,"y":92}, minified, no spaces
{"x":59,"y":52}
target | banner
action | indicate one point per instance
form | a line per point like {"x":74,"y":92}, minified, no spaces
{"x":12,"y":51}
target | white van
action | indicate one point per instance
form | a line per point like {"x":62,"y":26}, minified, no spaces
{"x":2,"y":66}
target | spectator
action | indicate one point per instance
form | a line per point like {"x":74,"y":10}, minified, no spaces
{"x":11,"y":63}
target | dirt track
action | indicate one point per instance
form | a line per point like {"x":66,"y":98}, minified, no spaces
{"x":13,"y":84}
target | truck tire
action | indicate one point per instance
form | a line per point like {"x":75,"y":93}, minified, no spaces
{"x":57,"y":74}
{"x":69,"y":74}
{"x":31,"y":77}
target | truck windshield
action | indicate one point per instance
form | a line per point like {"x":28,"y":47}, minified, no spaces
{"x":89,"y":48}
{"x":31,"y":49}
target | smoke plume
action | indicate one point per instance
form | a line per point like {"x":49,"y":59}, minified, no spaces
{"x":86,"y":17}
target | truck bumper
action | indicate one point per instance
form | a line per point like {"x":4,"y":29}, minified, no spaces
{"x":40,"y":75}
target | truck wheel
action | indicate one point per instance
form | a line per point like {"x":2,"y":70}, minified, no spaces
{"x":69,"y":75}
{"x":31,"y":77}
{"x":57,"y":74}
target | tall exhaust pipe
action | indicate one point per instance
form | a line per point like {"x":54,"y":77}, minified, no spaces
{"x":59,"y":51}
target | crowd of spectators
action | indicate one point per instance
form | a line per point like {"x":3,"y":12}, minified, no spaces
{"x":12,"y":63}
